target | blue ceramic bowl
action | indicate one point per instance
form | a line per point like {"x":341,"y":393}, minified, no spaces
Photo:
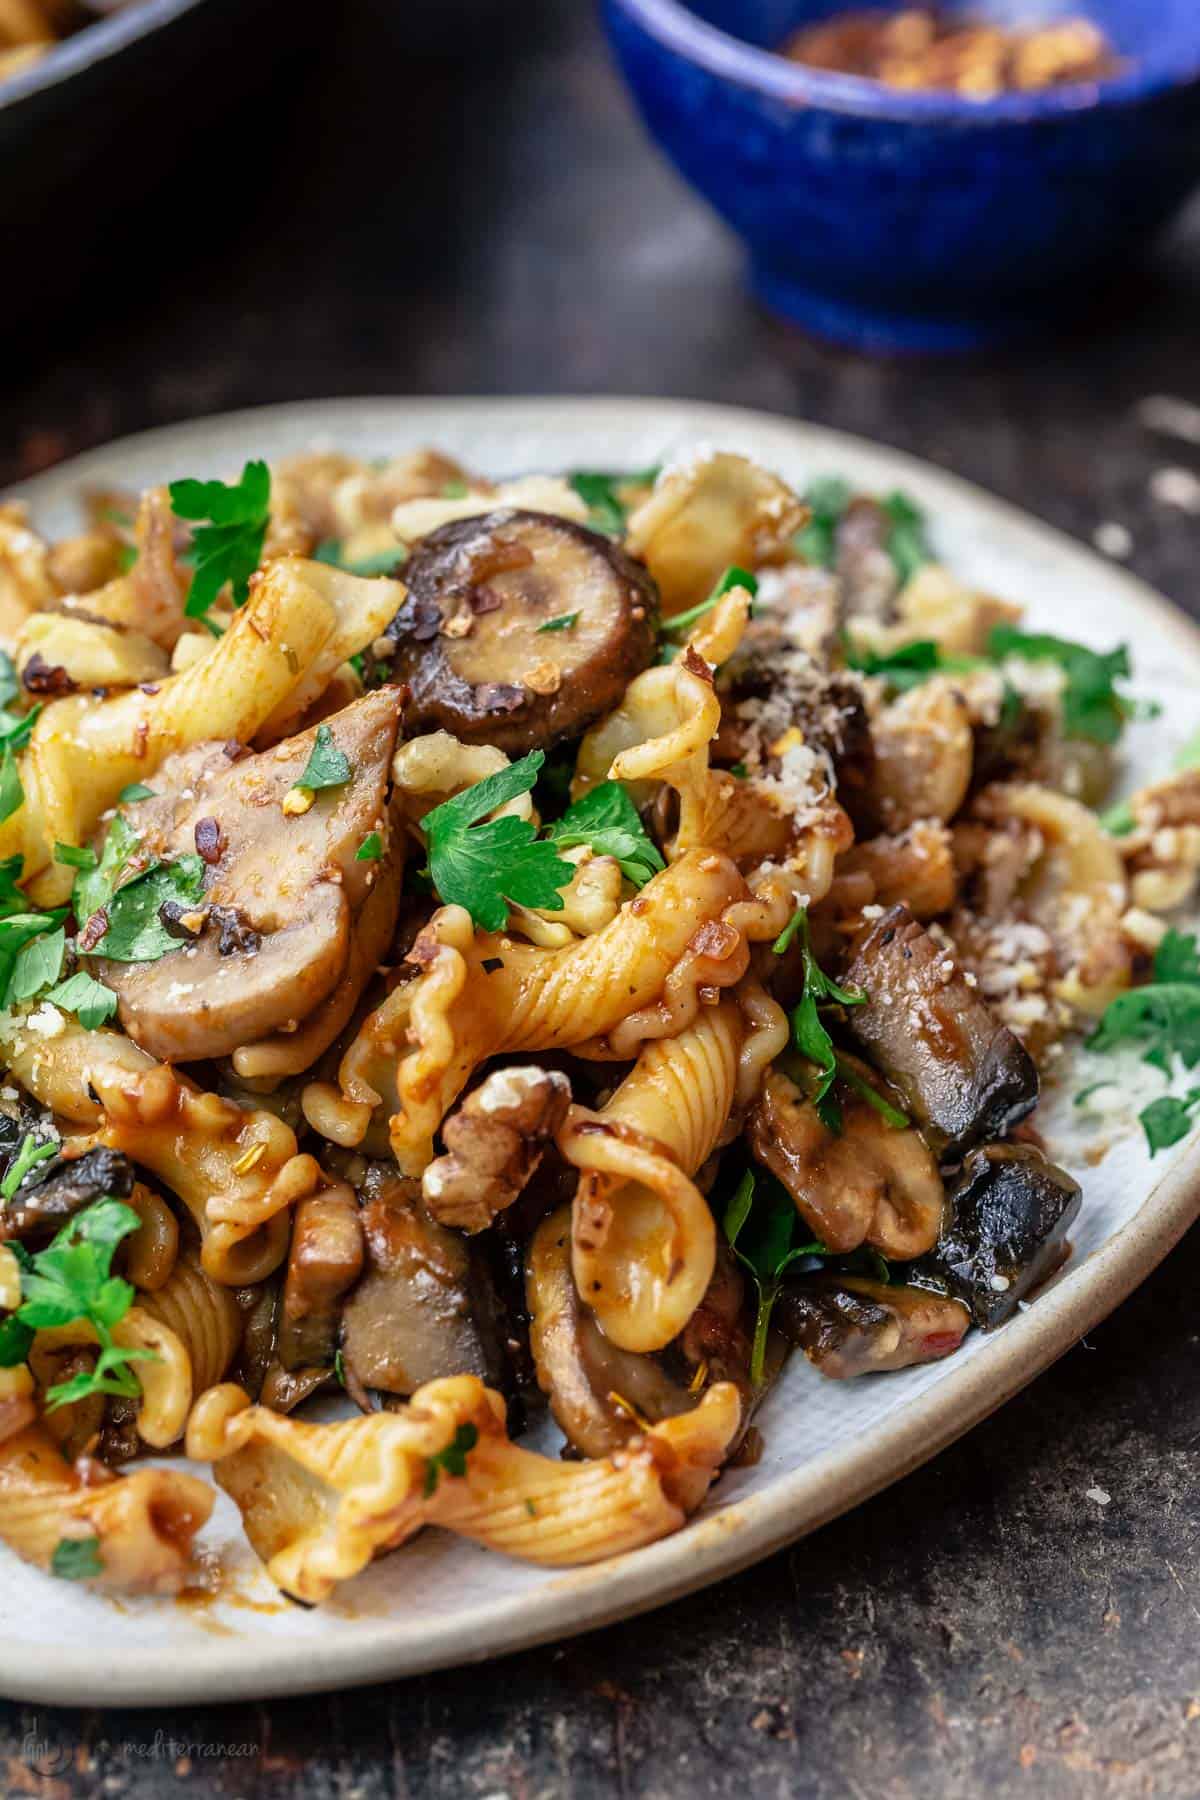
{"x":919,"y":221}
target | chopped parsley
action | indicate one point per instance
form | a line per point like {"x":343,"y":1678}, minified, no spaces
{"x":28,"y":1157}
{"x":71,"y":1279}
{"x":453,"y":1459}
{"x":18,"y":933}
{"x":761,"y":1222}
{"x":12,"y":897}
{"x":1092,"y":708}
{"x":77,"y":1559}
{"x":228,"y":548}
{"x":137,"y":790}
{"x":828,"y":499}
{"x":371,"y":848}
{"x":606,"y":819}
{"x":381,"y":562}
{"x":1164,"y":1017}
{"x":130,"y":895}
{"x":484,"y":866}
{"x":327,"y":766}
{"x":12,"y":794}
{"x":808,"y":1033}
{"x":601,"y":493}
{"x":455,"y":490}
{"x":564,"y":622}
{"x":36,"y":964}
{"x":92,"y":1003}
{"x":75,"y":856}
{"x":903,"y":668}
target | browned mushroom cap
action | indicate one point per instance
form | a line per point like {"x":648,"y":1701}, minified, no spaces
{"x":423,"y":1308}
{"x":282,"y":890}
{"x":472,"y":638}
{"x":326,"y":1258}
{"x":963,"y":1075}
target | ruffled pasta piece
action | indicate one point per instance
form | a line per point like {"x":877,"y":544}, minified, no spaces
{"x":435,"y":766}
{"x":25,"y":582}
{"x":705,"y":514}
{"x":482,"y":993}
{"x":143,"y":1523}
{"x":319,"y":1501}
{"x":643,"y":1237}
{"x":238,"y":1173}
{"x":414,"y":519}
{"x":83,"y":752}
{"x":150,"y":596}
{"x":57,"y":1069}
{"x":935,"y":606}
{"x":361,"y":608}
{"x":89,"y":654}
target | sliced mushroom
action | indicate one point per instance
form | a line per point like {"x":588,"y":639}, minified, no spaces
{"x":1008,"y":1219}
{"x":602,"y":1396}
{"x":869,"y":1183}
{"x":55,"y":1190}
{"x":963,"y":1075}
{"x":847,"y":1326}
{"x":283,"y":890}
{"x":325,"y":1260}
{"x":868,"y":576}
{"x":472,"y":638}
{"x":423,"y":1307}
{"x":495,"y":1141}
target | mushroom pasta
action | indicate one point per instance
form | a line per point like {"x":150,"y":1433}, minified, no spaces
{"x":525,"y":955}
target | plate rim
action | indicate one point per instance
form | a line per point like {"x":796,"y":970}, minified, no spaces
{"x":795,"y":1502}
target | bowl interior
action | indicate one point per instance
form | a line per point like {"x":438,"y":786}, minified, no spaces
{"x":1159,"y":34}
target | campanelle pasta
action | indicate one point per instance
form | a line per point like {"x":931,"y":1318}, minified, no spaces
{"x":501,"y":954}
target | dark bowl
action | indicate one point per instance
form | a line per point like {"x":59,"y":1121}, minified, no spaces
{"x":919,"y":221}
{"x":108,"y":115}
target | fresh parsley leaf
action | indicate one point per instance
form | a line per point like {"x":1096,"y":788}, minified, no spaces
{"x":28,"y":1157}
{"x":137,"y":790}
{"x":382,"y":562}
{"x":16,"y":1341}
{"x":1168,"y":1119}
{"x":455,"y":490}
{"x":760,"y":1223}
{"x":1177,"y":958}
{"x":76,"y":856}
{"x":371,"y":848}
{"x":12,"y":897}
{"x":135,"y":930}
{"x":453,"y":1459}
{"x":564,"y":622}
{"x":92,"y":1003}
{"x":732,"y":577}
{"x":1118,"y":821}
{"x":1091,"y":706}
{"x":600,"y":493}
{"x":71,"y":1280}
{"x":908,"y":540}
{"x":77,"y":1559}
{"x":94,"y":888}
{"x":904,"y":668}
{"x":12,"y":794}
{"x":485,"y":866}
{"x":808,"y":1033}
{"x":127,"y":555}
{"x":339,"y":1367}
{"x":10,"y":682}
{"x":327,"y":766}
{"x":228,"y":548}
{"x":16,"y":932}
{"x":606,"y":819}
{"x":1165,"y":1016}
{"x":36,"y":965}
{"x":827,"y":499}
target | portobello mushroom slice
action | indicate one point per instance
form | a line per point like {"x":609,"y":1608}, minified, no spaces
{"x":847,"y":1326}
{"x":1009,"y":1215}
{"x":602,"y":1396}
{"x":869,"y":1183}
{"x":282,"y":888}
{"x":325,"y":1260}
{"x":424,"y":1307}
{"x":962,"y":1074}
{"x":519,"y":629}
{"x":55,"y":1190}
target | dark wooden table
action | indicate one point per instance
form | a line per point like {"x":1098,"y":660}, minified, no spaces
{"x":385,"y":225}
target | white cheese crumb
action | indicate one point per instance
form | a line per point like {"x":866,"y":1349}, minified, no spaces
{"x":47,"y":1021}
{"x":874,"y":911}
{"x":1000,"y":1284}
{"x":1099,"y":1496}
{"x":1113,"y":539}
{"x":1176,"y":487}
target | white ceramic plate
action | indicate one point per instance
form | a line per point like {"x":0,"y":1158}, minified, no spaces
{"x":828,"y":1445}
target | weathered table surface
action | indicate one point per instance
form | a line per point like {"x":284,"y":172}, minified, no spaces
{"x":501,"y":226}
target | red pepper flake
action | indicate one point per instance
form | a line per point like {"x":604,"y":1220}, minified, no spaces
{"x":210,"y":840}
